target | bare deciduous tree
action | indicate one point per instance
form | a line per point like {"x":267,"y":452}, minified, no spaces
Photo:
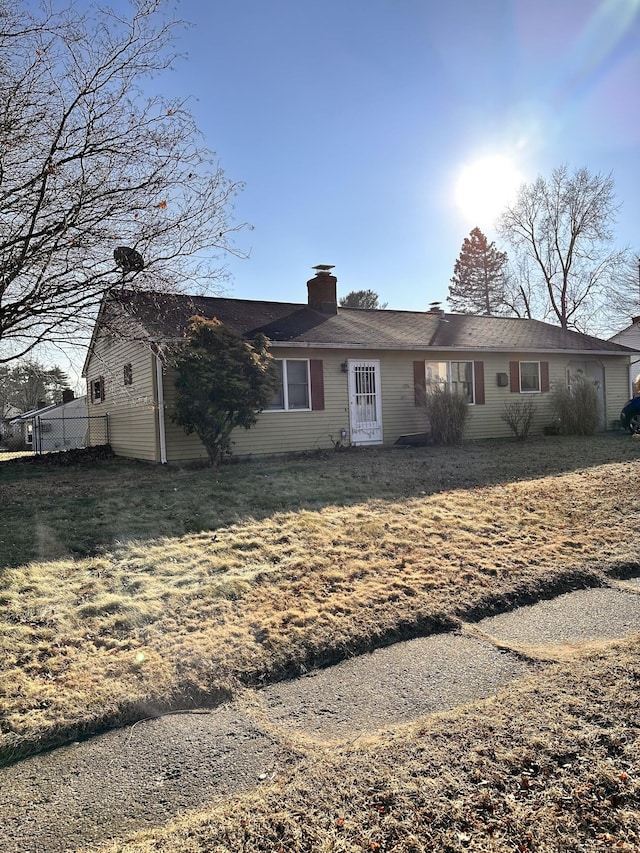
{"x":624,"y":304}
{"x":520,"y":296}
{"x":563,"y":227}
{"x":89,"y":166}
{"x":28,"y":383}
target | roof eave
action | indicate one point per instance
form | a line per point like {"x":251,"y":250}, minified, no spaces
{"x":435,"y":348}
{"x":161,"y":341}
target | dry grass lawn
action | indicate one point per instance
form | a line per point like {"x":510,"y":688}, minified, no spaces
{"x":550,"y":765}
{"x":144,"y":588}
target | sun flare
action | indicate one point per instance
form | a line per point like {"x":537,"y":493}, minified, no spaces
{"x":485,"y":186}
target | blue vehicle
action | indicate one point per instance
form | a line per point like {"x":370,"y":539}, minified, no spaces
{"x":630,"y":415}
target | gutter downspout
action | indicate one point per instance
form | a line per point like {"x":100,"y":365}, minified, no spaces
{"x":161,"y":426}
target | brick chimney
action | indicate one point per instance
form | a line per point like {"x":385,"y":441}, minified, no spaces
{"x":67,"y":395}
{"x":322,"y":290}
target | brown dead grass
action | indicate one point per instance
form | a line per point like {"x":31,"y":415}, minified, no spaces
{"x":153,"y":624}
{"x":549,"y":765}
{"x":192,"y":583}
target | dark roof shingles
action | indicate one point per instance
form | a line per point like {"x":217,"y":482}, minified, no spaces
{"x":167,"y":317}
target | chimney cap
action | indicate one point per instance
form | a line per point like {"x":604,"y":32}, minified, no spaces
{"x":322,"y":268}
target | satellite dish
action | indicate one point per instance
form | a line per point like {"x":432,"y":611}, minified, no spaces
{"x":128,"y":259}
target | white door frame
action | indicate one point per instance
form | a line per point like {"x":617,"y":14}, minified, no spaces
{"x":365,"y":401}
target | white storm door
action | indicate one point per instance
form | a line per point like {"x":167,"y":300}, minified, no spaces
{"x":365,"y":405}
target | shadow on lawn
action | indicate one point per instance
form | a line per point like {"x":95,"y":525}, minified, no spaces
{"x":51,"y":511}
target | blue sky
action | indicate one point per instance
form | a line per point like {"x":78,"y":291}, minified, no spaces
{"x":349,"y":122}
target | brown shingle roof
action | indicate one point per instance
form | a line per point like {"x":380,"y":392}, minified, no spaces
{"x":166,"y":317}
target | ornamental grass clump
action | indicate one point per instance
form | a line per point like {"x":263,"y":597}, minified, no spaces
{"x":576,"y":407}
{"x":447,"y":412}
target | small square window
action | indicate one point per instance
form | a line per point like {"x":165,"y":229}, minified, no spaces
{"x":97,"y":390}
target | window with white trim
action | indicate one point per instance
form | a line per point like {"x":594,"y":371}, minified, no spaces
{"x":457,"y":376}
{"x":294,"y":387}
{"x":529,"y":377}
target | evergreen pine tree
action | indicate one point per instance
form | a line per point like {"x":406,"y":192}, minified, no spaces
{"x":362,"y":299}
{"x":478,"y":277}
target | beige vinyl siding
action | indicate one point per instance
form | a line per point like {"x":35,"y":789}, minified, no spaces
{"x":616,"y":384}
{"x":485,"y":420}
{"x":131,"y":409}
{"x":400,"y":415}
{"x":630,"y":337}
{"x":282,"y":432}
{"x":133,"y":420}
{"x":275,"y":432}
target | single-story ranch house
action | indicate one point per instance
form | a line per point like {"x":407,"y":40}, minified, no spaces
{"x":347,"y":375}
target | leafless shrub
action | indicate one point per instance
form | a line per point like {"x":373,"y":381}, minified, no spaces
{"x":519,"y":416}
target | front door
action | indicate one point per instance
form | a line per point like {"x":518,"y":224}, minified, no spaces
{"x":365,"y":409}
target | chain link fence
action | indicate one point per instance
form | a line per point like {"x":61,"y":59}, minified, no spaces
{"x":51,"y":434}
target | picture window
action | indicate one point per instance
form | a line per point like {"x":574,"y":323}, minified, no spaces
{"x":457,"y":376}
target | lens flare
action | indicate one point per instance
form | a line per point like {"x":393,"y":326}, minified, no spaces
{"x":485,"y":186}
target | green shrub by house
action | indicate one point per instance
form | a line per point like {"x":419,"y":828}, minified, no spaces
{"x":224,"y":381}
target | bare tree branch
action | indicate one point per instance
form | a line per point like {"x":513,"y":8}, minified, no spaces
{"x":561,"y":230}
{"x":88,"y":164}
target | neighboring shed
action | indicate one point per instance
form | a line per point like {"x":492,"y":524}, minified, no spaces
{"x":344,"y":372}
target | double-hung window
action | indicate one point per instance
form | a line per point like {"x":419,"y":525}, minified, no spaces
{"x":529,"y":377}
{"x":457,"y":376}
{"x":293,"y":390}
